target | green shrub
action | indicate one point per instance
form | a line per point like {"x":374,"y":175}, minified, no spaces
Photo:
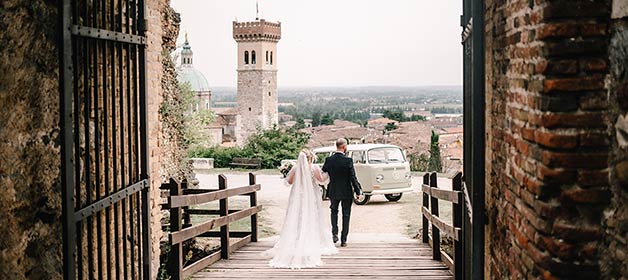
{"x":271,"y":146}
{"x":419,"y":162}
{"x":222,"y":155}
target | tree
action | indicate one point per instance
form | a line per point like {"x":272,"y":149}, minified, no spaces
{"x":327,"y":120}
{"x":435,"y":160}
{"x":196,"y":132}
{"x":390,"y":126}
{"x":316,"y":118}
{"x":393,"y":115}
{"x":300,"y":123}
{"x":417,"y":118}
{"x":275,"y":144}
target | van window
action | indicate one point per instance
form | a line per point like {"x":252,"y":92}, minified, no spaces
{"x":357,"y":156}
{"x":385,"y":155}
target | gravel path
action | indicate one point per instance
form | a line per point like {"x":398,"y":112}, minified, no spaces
{"x":379,"y":218}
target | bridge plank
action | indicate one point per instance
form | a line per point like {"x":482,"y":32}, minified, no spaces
{"x":395,"y":260}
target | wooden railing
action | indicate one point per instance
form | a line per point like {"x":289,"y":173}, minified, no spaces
{"x":431,"y":195}
{"x":180,"y":198}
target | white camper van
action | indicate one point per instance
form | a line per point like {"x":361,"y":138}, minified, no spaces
{"x":380,"y":168}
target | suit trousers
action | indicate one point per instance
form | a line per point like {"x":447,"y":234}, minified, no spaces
{"x":346,"y":215}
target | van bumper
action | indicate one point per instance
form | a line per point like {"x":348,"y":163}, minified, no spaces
{"x":392,"y":191}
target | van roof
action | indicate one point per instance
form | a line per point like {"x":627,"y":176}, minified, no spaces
{"x":355,"y":147}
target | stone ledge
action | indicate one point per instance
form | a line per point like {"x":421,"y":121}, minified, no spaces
{"x":202,"y":163}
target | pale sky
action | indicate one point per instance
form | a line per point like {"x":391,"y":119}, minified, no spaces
{"x":334,"y":42}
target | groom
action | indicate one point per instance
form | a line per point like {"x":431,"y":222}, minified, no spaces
{"x":342,"y":184}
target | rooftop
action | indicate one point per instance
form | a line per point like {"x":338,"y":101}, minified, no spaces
{"x":260,"y":30}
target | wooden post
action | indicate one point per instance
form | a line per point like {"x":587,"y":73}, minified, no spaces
{"x":186,"y":215}
{"x":435,"y":230}
{"x":224,"y":211}
{"x":253,"y":197}
{"x":176,"y":250}
{"x":426,"y":204}
{"x":457,"y":220}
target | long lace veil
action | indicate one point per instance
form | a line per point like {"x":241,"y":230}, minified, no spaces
{"x":305,"y":234}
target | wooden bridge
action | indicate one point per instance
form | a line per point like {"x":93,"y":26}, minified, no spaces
{"x":409,"y":259}
{"x":241,"y":254}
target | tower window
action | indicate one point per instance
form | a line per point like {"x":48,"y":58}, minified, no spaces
{"x":271,"y":57}
{"x":269,"y":93}
{"x":266,"y":57}
{"x":246,"y":57}
{"x":252,"y":57}
{"x":249,"y":109}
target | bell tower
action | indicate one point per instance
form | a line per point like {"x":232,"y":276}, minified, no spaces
{"x":257,"y":76}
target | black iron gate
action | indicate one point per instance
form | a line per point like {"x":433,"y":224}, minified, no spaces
{"x":472,"y":22}
{"x":105,"y":186}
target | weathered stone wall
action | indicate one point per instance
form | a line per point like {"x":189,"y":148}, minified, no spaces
{"x":165,"y":131}
{"x":30,"y":220}
{"x":614,"y":248}
{"x":550,"y":113}
{"x":172,"y":121}
{"x":30,"y":196}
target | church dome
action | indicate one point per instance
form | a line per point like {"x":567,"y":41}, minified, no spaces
{"x":186,"y":73}
{"x":195,"y":78}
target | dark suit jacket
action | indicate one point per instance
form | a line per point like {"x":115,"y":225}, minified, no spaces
{"x":342,"y":180}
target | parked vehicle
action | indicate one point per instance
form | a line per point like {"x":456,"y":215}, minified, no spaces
{"x":381,"y":169}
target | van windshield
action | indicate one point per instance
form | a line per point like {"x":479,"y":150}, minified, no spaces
{"x":385,"y":155}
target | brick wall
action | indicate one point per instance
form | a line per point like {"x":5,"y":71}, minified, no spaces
{"x":548,"y":137}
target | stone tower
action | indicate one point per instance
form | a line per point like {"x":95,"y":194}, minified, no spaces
{"x":257,"y":76}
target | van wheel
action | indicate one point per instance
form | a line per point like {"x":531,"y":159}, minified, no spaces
{"x":365,"y":200}
{"x":393,"y":197}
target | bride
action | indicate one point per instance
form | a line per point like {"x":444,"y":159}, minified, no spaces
{"x":305,"y":235}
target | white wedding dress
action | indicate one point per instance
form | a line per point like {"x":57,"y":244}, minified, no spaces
{"x":306,"y":234}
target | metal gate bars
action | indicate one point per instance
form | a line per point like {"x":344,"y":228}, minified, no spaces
{"x":105,"y":186}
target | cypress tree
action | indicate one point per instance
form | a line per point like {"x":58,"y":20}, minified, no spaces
{"x":435,"y":160}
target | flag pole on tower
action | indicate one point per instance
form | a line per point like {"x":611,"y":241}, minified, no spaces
{"x":256,"y":10}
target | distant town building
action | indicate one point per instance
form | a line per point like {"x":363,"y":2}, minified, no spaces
{"x":380,"y":123}
{"x":326,"y":135}
{"x":257,"y":76}
{"x":186,"y":73}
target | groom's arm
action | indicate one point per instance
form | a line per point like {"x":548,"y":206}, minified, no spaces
{"x":326,"y":166}
{"x":354,"y":180}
